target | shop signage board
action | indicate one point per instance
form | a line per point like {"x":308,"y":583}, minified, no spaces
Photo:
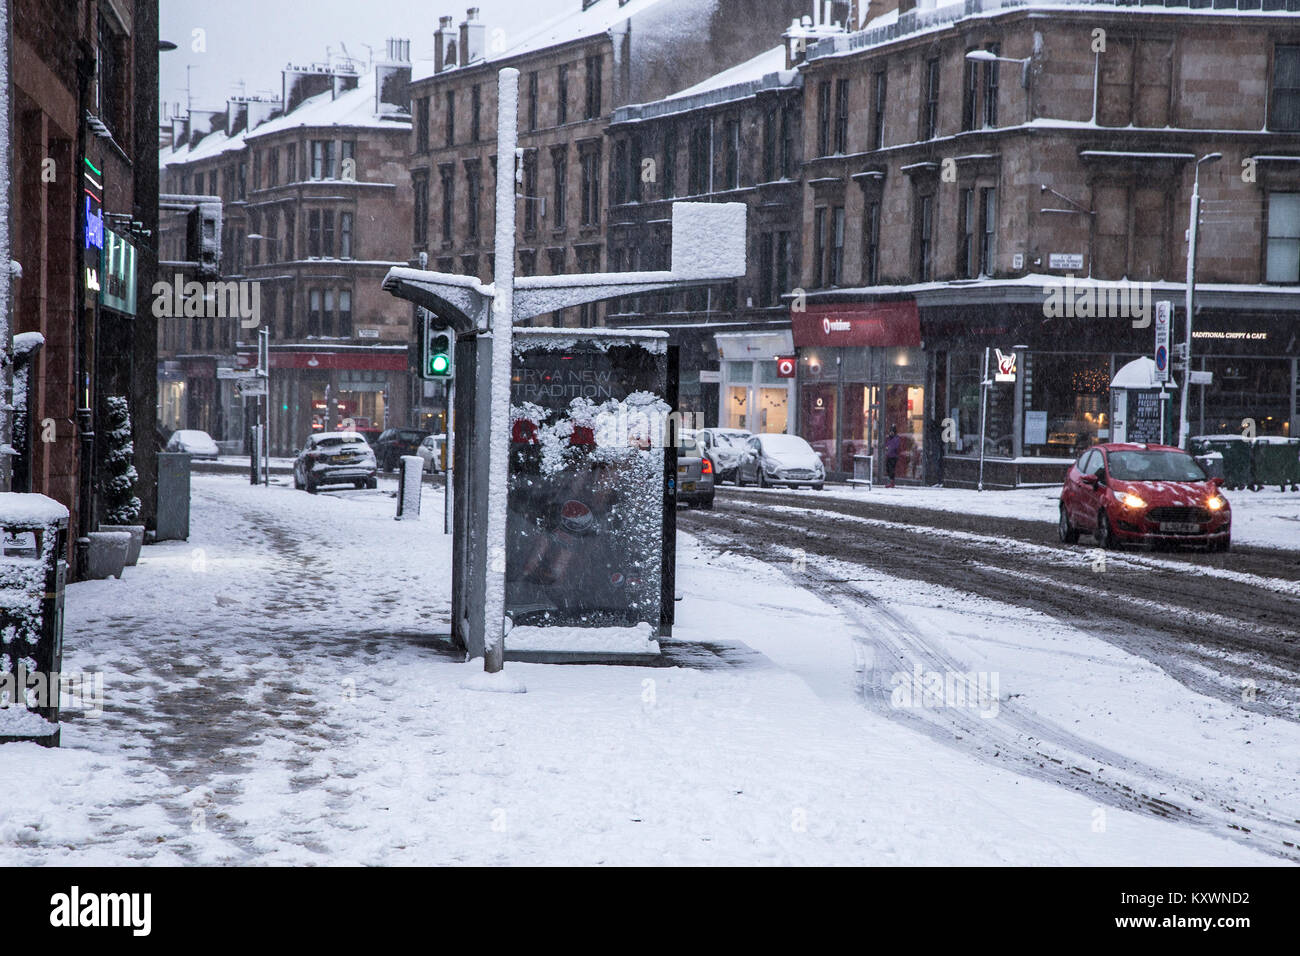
{"x":867,"y":323}
{"x":1006,"y":366}
{"x":1035,"y":428}
{"x":1164,"y":320}
{"x":786,"y":365}
{"x":710,"y":376}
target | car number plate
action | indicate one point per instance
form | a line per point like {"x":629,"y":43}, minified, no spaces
{"x":688,"y":486}
{"x":1184,"y":526}
{"x":681,"y":469}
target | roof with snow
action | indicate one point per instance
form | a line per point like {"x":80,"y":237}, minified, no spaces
{"x":565,"y":27}
{"x":769,"y":61}
{"x":355,"y":108}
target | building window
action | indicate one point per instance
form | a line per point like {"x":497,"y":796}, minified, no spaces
{"x":448,"y":175}
{"x":1282,"y":257}
{"x":473,"y":175}
{"x":315,"y":313}
{"x":291,"y":163}
{"x":327,"y":234}
{"x":588,"y":262}
{"x":634,"y":169}
{"x":620,"y":172}
{"x":449,"y":118}
{"x":731,"y":162}
{"x":871,"y":244}
{"x":824,"y":118}
{"x":560,"y":178}
{"x":878,"y":112}
{"x":991,"y":87}
{"x":286,"y":317}
{"x":970,"y":95}
{"x":313,"y":234}
{"x":925,"y":238}
{"x":555,"y":259}
{"x":345,"y":235}
{"x":242,"y":181}
{"x":527,"y":262}
{"x":594,"y":98}
{"x":322,"y":159}
{"x":787,"y":143}
{"x":345,"y":313}
{"x":530,"y":191}
{"x":819,"y":247}
{"x":967,"y":253}
{"x":930,"y":113}
{"x":697,"y":180}
{"x":669,"y":173}
{"x":836,"y":264}
{"x":532,"y":100}
{"x":289,"y":223}
{"x":420,"y":212}
{"x":562,"y":95}
{"x":348,"y":151}
{"x":327,"y":315}
{"x":591,"y":186}
{"x":988,"y":223}
{"x":770,"y":129}
{"x":422,"y":125}
{"x":475,"y":112}
{"x":273,"y":167}
{"x":842,"y":116}
{"x":257,"y":169}
{"x":108,"y":85}
{"x":1286,"y":89}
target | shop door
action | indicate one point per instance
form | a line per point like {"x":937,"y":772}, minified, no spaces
{"x":773,"y":409}
{"x":905,"y":410}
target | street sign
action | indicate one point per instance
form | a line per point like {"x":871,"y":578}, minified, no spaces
{"x":236,"y":373}
{"x":252,"y":387}
{"x":1163,"y":323}
{"x":1201,"y":378}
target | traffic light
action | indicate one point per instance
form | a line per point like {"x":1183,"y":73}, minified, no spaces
{"x":436,"y":361}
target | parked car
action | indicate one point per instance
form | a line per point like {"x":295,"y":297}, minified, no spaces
{"x":694,"y":472}
{"x":431,"y":451}
{"x":335,"y":458}
{"x":726,"y":446}
{"x":193,"y":442}
{"x":1151,"y":494}
{"x":774,"y":459}
{"x":393,"y":443}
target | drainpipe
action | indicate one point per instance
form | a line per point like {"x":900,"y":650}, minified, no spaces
{"x":6,"y":257}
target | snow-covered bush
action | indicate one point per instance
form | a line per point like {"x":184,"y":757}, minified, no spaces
{"x":120,"y":503}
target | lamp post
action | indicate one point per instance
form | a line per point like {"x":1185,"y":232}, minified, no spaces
{"x":1190,"y":293}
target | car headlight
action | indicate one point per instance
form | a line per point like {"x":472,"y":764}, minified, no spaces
{"x":1129,"y":500}
{"x":1217,"y":503}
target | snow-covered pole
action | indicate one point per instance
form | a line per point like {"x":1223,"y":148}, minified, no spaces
{"x":503,"y":307}
{"x":7,"y":265}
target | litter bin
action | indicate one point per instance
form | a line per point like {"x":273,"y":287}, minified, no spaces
{"x":173,"y":496}
{"x":1277,"y":462}
{"x":1238,"y":457}
{"x":33,"y":573}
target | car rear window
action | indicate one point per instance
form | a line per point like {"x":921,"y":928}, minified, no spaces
{"x":1154,"y":466}
{"x":337,"y":440}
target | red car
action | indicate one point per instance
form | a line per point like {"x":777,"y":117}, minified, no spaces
{"x":1148,"y":494}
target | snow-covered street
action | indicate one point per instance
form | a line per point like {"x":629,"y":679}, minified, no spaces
{"x":274,"y":693}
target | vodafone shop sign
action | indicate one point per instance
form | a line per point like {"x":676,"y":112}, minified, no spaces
{"x":850,"y":324}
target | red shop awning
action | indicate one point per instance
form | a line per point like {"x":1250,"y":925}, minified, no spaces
{"x":858,"y":323}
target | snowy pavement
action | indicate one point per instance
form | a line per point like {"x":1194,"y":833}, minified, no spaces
{"x":272,"y":696}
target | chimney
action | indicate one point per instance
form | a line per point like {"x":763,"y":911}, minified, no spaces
{"x":393,"y":80}
{"x":444,"y":45}
{"x":906,"y":6}
{"x":473,"y":38}
{"x":261,"y":109}
{"x":236,"y":116}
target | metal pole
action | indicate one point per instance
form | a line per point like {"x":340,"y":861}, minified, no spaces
{"x":502,"y":353}
{"x":984,"y":413}
{"x":448,"y":496}
{"x":6,"y":270}
{"x":1194,"y":215}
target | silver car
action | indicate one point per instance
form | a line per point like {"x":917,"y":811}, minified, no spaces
{"x":335,"y":458}
{"x":694,"y":472}
{"x":773,"y":459}
{"x":727,"y":447}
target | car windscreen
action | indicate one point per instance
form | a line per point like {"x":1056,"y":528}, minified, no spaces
{"x":1154,"y":466}
{"x":687,"y":446}
{"x":410,"y":436}
{"x":785,"y":445}
{"x":335,"y":442}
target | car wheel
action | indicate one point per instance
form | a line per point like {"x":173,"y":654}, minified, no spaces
{"x":1067,"y":532}
{"x":740,"y":479}
{"x":819,"y":487}
{"x":762,"y":478}
{"x":707,"y":504}
{"x":372,"y":483}
{"x":1223,"y":545}
{"x":311,"y":487}
{"x":1105,"y":536}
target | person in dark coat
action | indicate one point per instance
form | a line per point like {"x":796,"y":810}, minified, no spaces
{"x":892,"y":446}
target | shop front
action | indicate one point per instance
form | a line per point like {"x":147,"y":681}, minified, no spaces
{"x":861,"y":376}
{"x":755,"y":388}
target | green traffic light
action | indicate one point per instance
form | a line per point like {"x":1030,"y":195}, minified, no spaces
{"x":439,"y":365}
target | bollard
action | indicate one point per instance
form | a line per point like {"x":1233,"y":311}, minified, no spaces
{"x":410,"y":478}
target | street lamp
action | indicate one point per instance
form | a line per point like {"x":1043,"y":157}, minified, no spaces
{"x":1194,"y":215}
{"x":988,"y":56}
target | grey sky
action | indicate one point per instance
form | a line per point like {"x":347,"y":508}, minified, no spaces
{"x":251,"y":40}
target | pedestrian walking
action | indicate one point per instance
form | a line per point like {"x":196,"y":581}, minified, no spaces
{"x":892,"y":445}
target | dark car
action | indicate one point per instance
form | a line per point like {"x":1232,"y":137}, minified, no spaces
{"x":1143,"y":494}
{"x":335,"y":458}
{"x":393,"y":443}
{"x":695,"y":471}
